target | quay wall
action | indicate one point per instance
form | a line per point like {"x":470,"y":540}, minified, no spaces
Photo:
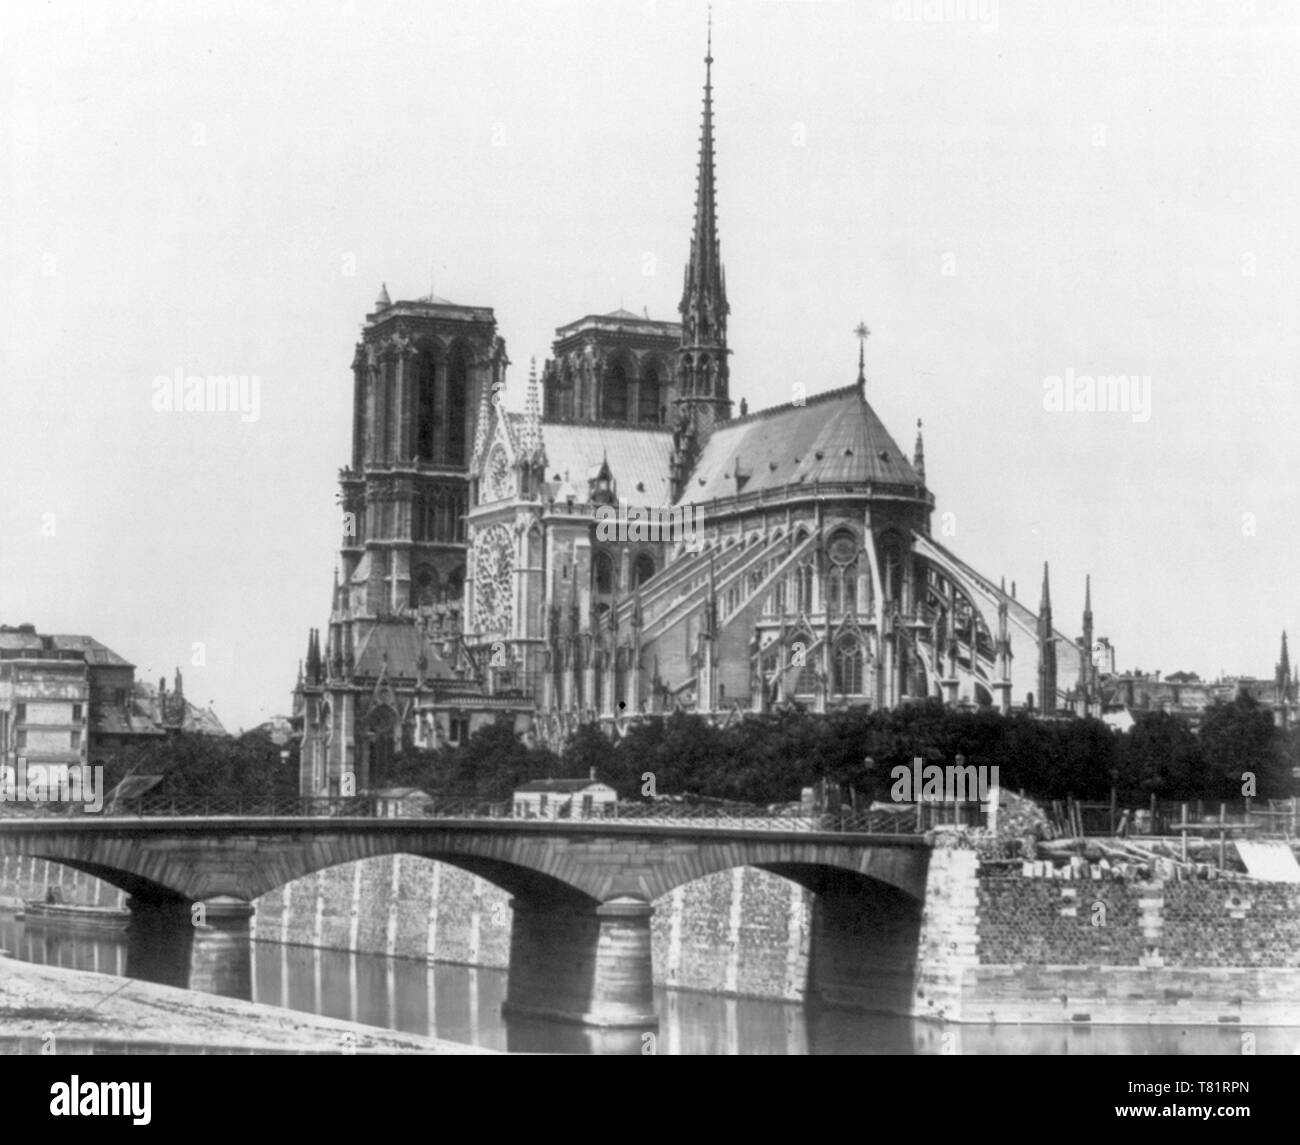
{"x":1004,"y":947}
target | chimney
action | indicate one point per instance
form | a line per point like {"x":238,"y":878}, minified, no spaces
{"x":592,"y":775}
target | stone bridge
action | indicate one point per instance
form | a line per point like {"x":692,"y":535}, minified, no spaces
{"x":583,"y":892}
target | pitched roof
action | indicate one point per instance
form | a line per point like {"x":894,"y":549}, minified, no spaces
{"x":560,"y":786}
{"x":833,"y":437}
{"x":90,"y":649}
{"x":95,"y":652}
{"x":639,"y":457}
{"x":401,"y":641}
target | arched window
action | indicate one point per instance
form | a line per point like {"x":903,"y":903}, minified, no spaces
{"x":806,"y":682}
{"x":803,"y":586}
{"x":426,"y":411}
{"x":457,"y":406}
{"x":780,"y":597}
{"x":455,"y":586}
{"x":424,"y":586}
{"x":614,"y":399}
{"x":644,"y":568}
{"x":801,"y":657}
{"x":604,"y":573}
{"x":566,"y":393}
{"x":648,"y":399}
{"x":847,"y":665}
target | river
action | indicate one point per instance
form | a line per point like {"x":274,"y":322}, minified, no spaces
{"x":463,"y":1004}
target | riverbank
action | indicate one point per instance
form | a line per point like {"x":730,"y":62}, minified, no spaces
{"x":52,"y":1009}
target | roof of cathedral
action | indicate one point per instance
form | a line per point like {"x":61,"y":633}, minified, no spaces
{"x":640,"y":457}
{"x":833,"y":437}
{"x":395,"y":646}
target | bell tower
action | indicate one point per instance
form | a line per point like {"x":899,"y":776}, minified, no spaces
{"x":420,"y":375}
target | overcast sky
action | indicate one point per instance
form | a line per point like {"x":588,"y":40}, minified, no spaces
{"x":1005,"y":193}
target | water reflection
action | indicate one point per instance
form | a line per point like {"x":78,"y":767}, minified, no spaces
{"x":463,"y":1004}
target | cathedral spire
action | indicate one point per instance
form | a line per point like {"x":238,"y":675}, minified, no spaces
{"x":1046,"y":650}
{"x":704,"y":306}
{"x":704,"y":302}
{"x":531,"y":448}
{"x":918,"y":455}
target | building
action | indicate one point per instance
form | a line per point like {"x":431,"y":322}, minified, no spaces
{"x":626,"y":547}
{"x":564,"y":799}
{"x":69,"y":700}
{"x":1186,"y":695}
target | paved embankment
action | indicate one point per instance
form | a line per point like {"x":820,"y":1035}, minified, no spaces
{"x":52,"y":1009}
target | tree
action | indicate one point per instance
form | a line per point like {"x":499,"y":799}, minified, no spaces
{"x":1239,"y":739}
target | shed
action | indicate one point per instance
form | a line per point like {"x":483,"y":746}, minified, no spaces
{"x":398,"y":802}
{"x":565,"y":799}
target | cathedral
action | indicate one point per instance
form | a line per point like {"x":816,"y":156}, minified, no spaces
{"x":631,"y":544}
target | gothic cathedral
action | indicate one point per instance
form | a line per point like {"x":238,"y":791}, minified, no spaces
{"x":626,"y":547}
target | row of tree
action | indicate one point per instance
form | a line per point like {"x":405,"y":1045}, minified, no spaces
{"x":770,"y":758}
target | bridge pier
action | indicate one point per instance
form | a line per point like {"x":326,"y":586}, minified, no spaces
{"x":585,"y":964}
{"x":197,"y":946}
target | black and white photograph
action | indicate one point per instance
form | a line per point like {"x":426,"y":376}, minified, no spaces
{"x":650,"y":528}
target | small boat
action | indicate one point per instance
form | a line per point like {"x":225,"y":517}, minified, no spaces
{"x":74,"y":914}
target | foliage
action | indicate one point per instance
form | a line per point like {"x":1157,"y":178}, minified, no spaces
{"x":250,"y":766}
{"x":770,"y":758}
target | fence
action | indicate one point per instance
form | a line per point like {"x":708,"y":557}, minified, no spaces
{"x":906,"y":819}
{"x":1274,"y":818}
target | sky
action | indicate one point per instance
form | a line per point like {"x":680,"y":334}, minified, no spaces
{"x":1005,"y":192}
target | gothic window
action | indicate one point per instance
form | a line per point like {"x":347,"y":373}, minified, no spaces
{"x":457,"y":406}
{"x":648,"y":401}
{"x":455,"y":587}
{"x":565,"y":394}
{"x":806,"y":682}
{"x":803,"y":586}
{"x":780,"y":596}
{"x":849,"y":594}
{"x":424,"y":587}
{"x":892,"y":566}
{"x":847,"y":664}
{"x":425,"y":404}
{"x":604,"y":573}
{"x":644,"y":568}
{"x":614,"y":400}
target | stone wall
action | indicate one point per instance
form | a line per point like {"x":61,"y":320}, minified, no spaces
{"x":22,"y":877}
{"x":1109,"y":951}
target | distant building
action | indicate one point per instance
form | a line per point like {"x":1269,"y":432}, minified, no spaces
{"x":70,"y":700}
{"x":278,"y":728}
{"x":1186,"y":695}
{"x":564,"y":799}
